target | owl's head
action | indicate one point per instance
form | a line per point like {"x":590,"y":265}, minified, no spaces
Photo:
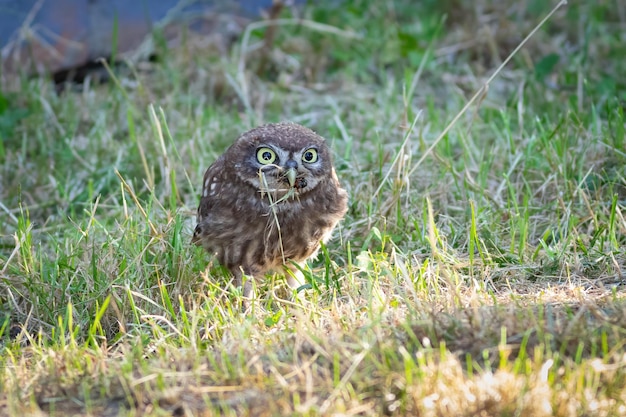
{"x":281,"y":158}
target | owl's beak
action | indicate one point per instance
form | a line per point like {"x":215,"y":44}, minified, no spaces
{"x":291,"y":176}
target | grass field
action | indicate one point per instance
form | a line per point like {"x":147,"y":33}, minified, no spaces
{"x":480,"y":277}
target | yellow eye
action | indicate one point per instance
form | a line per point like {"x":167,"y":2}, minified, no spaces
{"x":265,"y":156}
{"x":310,"y":155}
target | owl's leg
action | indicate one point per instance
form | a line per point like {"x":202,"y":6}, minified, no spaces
{"x":248,"y":289}
{"x":295,"y":279}
{"x":245,"y":282}
{"x":244,"y":278}
{"x":237,"y":277}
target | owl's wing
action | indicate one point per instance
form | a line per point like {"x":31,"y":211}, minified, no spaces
{"x":211,"y":188}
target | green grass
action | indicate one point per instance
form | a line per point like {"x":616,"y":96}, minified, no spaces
{"x":484,"y":277}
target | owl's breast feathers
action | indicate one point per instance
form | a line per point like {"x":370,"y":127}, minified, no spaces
{"x":247,"y":229}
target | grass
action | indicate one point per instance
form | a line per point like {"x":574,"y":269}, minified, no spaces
{"x":482,"y":277}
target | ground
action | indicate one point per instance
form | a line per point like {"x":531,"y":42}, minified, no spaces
{"x":478,"y":272}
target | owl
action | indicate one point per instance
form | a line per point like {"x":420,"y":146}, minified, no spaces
{"x":269,"y":202}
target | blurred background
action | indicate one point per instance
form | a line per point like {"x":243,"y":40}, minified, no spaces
{"x":67,"y":37}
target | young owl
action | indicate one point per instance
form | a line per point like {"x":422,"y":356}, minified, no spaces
{"x":269,"y":201}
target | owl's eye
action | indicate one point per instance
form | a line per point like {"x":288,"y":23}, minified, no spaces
{"x":310,"y":155}
{"x":265,"y":156}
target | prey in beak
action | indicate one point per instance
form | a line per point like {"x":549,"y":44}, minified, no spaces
{"x":289,"y":176}
{"x":294,"y":182}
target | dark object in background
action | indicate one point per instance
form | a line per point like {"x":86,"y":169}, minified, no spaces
{"x":67,"y":37}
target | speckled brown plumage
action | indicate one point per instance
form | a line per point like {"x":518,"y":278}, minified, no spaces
{"x":269,"y":201}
